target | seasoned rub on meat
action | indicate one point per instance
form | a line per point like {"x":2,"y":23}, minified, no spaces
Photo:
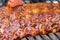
{"x":13,"y":3}
{"x":29,"y":20}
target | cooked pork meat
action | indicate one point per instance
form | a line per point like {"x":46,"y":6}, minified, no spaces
{"x":29,"y":20}
{"x":13,"y":3}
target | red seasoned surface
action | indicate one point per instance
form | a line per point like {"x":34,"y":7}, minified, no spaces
{"x":29,"y":20}
{"x":13,"y":3}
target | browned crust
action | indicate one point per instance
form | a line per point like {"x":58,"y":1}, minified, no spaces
{"x":29,"y":20}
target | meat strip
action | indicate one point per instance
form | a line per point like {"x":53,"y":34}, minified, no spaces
{"x":29,"y":20}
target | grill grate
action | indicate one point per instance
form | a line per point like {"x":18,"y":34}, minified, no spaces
{"x":49,"y":36}
{"x":35,"y":1}
{"x":4,"y":2}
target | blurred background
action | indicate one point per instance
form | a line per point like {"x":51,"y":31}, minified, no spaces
{"x":4,"y":2}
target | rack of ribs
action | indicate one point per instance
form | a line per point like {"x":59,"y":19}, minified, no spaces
{"x":29,"y":20}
